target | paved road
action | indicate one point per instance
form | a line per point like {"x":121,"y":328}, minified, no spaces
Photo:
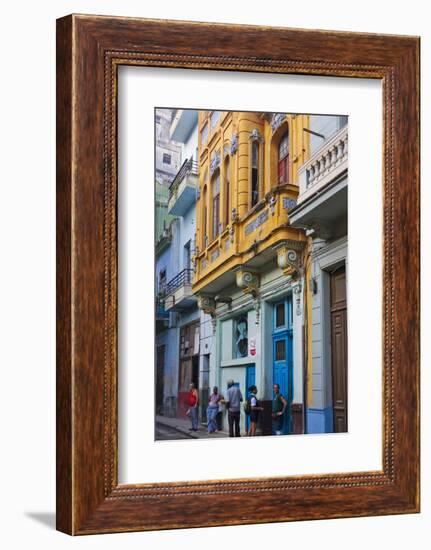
{"x":164,"y":433}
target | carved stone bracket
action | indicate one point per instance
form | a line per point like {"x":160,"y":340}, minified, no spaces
{"x":289,"y":258}
{"x":208,"y":305}
{"x":248,"y":282}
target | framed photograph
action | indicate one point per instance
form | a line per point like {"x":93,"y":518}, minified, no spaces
{"x":237,"y":274}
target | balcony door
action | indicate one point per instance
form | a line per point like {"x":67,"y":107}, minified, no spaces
{"x":216,"y":204}
{"x":283,"y":160}
{"x":160,"y":379}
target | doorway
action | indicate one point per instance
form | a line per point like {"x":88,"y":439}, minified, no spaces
{"x":160,"y":379}
{"x":339,"y":348}
{"x":188,"y":365}
{"x":250,"y":380}
{"x":282,"y":347}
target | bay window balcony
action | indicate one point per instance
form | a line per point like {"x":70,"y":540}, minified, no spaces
{"x":322,"y":201}
{"x":178,"y":293}
{"x":327,"y":163}
{"x":183,"y":189}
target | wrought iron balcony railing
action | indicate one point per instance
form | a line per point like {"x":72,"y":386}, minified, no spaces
{"x":189,"y":166}
{"x":184,"y":277}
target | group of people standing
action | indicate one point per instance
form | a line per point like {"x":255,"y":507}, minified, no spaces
{"x":232,"y":402}
{"x":215,"y":408}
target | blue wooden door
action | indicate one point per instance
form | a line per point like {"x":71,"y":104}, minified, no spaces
{"x":250,"y":377}
{"x":282,"y":349}
{"x":250,"y":380}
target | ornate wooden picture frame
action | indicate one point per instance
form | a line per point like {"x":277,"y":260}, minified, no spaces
{"x":89,"y":51}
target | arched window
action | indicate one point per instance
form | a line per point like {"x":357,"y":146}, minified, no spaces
{"x":227,"y":191}
{"x":216,"y":203}
{"x":254,"y":173}
{"x":283,"y":159}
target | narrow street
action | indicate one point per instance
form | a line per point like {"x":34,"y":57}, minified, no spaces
{"x":178,"y":428}
{"x":166,"y":433}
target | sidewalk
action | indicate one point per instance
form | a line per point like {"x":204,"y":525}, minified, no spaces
{"x":182,"y":425}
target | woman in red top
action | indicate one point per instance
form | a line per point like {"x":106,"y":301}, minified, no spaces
{"x":193,"y":399}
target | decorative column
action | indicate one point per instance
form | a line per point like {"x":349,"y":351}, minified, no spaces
{"x":242,"y":176}
{"x":290,"y":261}
{"x":297,"y":406}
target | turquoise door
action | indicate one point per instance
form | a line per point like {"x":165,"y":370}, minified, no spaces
{"x":250,"y":376}
{"x":282,"y":338}
{"x":250,"y":380}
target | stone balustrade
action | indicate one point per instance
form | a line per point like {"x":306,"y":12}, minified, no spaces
{"x":329,"y":161}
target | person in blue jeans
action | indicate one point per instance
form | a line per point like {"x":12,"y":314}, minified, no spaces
{"x":212,"y":410}
{"x":193,"y":410}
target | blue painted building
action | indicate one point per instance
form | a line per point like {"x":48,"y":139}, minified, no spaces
{"x":184,"y":345}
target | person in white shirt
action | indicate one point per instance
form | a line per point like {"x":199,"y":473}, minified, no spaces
{"x":255,"y":409}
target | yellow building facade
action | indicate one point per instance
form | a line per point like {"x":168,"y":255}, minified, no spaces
{"x":249,"y":261}
{"x":242,"y":209}
{"x":265,"y":197}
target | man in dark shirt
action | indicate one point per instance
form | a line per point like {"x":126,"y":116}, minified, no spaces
{"x":233,"y":400}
